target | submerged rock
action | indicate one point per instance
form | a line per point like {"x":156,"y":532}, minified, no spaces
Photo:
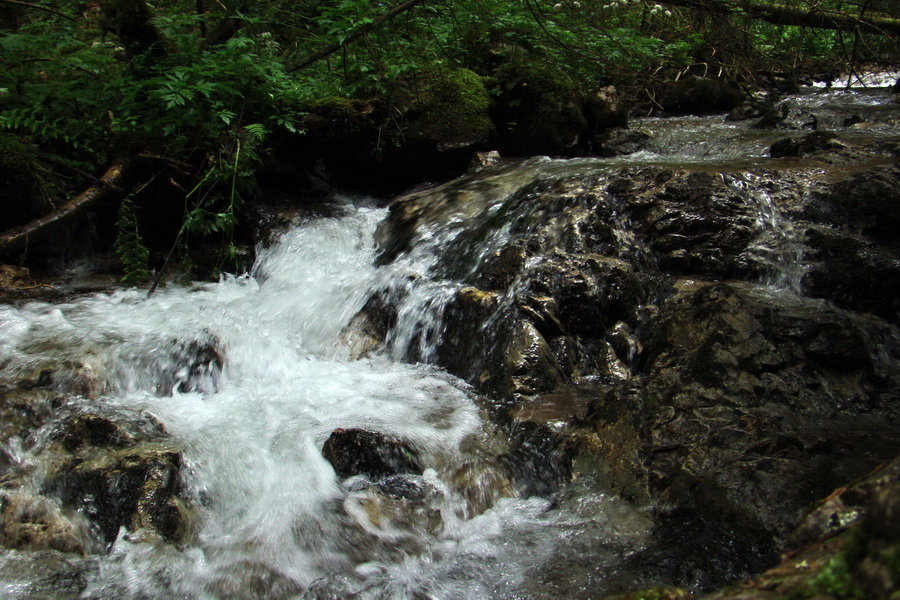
{"x":620,"y":142}
{"x":46,"y":574}
{"x":30,"y":522}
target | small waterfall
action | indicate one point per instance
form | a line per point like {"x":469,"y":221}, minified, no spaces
{"x":778,"y":248}
{"x":273,"y":519}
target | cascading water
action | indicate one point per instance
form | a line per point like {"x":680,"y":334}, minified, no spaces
{"x":274,"y":520}
{"x":247,"y":378}
{"x":778,"y":247}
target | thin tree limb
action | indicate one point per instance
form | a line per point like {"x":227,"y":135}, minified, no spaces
{"x":354,"y":35}
{"x":780,"y":14}
{"x":106,"y":188}
{"x":39,"y":7}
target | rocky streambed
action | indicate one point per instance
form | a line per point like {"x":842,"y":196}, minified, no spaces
{"x":652,"y":377}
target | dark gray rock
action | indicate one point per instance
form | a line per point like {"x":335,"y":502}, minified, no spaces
{"x":374,"y":455}
{"x":619,"y":142}
{"x":702,"y":96}
{"x":810,"y":144}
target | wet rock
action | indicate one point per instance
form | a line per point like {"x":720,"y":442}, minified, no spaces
{"x":192,"y":366}
{"x":608,"y":456}
{"x":785,"y":115}
{"x":483,"y":160}
{"x":90,"y":430}
{"x":374,"y":455}
{"x":538,"y":460}
{"x":46,"y":574}
{"x":742,"y":380}
{"x":845,"y":547}
{"x":591,"y":292}
{"x":867,"y":203}
{"x":464,"y":321}
{"x":410,"y":213}
{"x":398,"y":503}
{"x":529,"y":364}
{"x":246,"y":579}
{"x":692,"y":222}
{"x":504,"y":267}
{"x":481,"y":484}
{"x":810,"y":144}
{"x":369,"y":328}
{"x":136,"y":487}
{"x":22,"y":413}
{"x":619,"y":142}
{"x":752,"y":108}
{"x":30,"y":522}
{"x":853,"y":272}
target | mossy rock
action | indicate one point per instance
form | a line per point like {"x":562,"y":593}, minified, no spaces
{"x":23,"y":196}
{"x":538,"y":110}
{"x":449,"y":109}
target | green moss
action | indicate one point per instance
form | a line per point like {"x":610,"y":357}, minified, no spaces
{"x":450,"y":108}
{"x":835,"y":580}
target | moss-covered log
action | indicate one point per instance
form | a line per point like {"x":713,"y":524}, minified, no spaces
{"x":781,"y":14}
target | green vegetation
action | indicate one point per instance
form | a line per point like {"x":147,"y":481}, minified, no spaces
{"x":198,"y":90}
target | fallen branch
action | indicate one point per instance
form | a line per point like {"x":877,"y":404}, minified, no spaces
{"x":108,"y":186}
{"x":782,"y":14}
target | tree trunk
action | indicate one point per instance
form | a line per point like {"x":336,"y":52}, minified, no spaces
{"x":39,"y":229}
{"x":779,"y":14}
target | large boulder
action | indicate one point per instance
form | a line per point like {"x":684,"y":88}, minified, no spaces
{"x":852,"y":244}
{"x":816,"y":142}
{"x":866,"y":203}
{"x":742,"y":392}
{"x":702,"y":96}
{"x":538,"y":110}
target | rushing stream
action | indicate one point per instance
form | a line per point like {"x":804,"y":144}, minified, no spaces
{"x":269,"y":516}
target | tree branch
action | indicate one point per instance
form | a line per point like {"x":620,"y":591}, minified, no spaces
{"x":108,"y":186}
{"x":39,"y":7}
{"x":354,"y":35}
{"x":780,"y":14}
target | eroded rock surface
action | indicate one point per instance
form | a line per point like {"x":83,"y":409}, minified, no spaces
{"x":643,"y":332}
